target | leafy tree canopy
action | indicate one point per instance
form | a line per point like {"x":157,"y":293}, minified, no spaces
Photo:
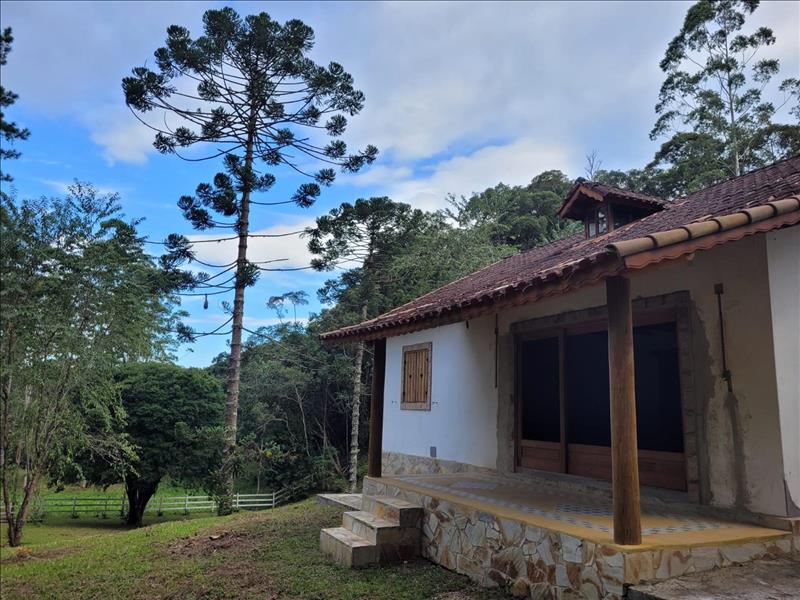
{"x":519,"y":216}
{"x":173,"y":421}
{"x":80,"y":296}
{"x":715,"y":79}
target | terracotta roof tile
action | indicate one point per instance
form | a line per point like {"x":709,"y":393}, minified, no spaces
{"x":559,"y":258}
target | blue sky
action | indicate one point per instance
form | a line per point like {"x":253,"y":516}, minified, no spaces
{"x":459,"y":96}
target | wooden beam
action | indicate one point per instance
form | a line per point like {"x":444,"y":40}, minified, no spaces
{"x":624,"y":452}
{"x":376,"y":408}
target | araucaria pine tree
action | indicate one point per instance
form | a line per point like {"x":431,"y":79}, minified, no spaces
{"x":247,"y":89}
{"x":9,"y":131}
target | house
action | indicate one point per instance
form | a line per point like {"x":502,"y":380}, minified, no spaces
{"x":619,"y":406}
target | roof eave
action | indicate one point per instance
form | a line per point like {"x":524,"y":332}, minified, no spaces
{"x":588,"y":271}
{"x":619,"y":257}
{"x":641,"y":252}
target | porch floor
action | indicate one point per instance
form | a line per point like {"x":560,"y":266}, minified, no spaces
{"x":585,"y":516}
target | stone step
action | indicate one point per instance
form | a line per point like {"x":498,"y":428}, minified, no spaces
{"x":395,"y":544}
{"x":347,"y":549}
{"x":394,"y":509}
{"x":345,"y":501}
{"x":373,"y":529}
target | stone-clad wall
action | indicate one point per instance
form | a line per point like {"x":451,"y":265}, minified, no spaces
{"x":397,"y":463}
{"x":537,"y":563}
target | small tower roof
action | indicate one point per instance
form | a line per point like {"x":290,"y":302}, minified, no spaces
{"x":587,"y":194}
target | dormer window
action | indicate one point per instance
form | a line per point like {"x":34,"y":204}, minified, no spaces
{"x":604,"y":208}
{"x":597,"y":221}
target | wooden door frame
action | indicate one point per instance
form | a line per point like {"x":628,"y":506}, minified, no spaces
{"x":672,"y":307}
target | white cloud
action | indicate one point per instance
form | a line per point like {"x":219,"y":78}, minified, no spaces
{"x":441,"y":78}
{"x":293,"y":248}
{"x":379,"y":175}
{"x":440,"y":74}
{"x":122,"y":138}
{"x":513,"y":163}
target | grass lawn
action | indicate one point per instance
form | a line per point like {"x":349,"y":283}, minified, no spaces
{"x":62,"y":527}
{"x":268,"y":555}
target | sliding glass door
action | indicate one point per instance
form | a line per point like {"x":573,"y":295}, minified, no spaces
{"x":564,"y":409}
{"x":541,"y":387}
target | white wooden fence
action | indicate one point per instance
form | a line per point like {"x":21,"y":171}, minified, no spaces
{"x":107,"y":505}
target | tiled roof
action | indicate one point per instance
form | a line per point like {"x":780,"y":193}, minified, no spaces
{"x":602,"y":192}
{"x":563,"y":258}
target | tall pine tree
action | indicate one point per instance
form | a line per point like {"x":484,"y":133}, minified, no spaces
{"x":9,"y":130}
{"x":247,"y":88}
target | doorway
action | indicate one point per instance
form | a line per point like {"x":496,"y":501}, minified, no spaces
{"x":563,"y":404}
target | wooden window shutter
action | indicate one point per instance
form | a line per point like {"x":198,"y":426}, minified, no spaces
{"x":416,"y":393}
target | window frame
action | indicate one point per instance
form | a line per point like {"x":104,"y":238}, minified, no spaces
{"x":592,"y":220}
{"x":425,"y":405}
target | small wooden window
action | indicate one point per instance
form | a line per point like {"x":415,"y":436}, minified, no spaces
{"x":596,"y":222}
{"x":416,"y":377}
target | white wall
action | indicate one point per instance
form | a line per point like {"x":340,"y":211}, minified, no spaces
{"x":463,"y":416}
{"x":783,"y":260}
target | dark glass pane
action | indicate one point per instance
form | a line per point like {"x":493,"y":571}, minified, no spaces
{"x":622,"y":215}
{"x":588,"y":408}
{"x":539,"y":379}
{"x":658,"y":394}
{"x":658,"y":401}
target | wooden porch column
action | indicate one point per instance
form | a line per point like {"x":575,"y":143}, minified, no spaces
{"x":376,"y":408}
{"x":624,"y":452}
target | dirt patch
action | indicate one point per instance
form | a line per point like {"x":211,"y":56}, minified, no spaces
{"x":228,"y":570}
{"x":209,"y":543}
{"x":33,"y":555}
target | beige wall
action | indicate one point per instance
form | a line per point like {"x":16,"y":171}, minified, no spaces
{"x":739,"y":442}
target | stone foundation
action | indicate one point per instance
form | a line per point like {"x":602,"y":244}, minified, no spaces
{"x":396,"y":463}
{"x":534,"y":562}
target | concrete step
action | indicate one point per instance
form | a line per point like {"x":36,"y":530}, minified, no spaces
{"x":393,"y":509}
{"x":345,"y":501}
{"x":395,"y":544}
{"x":347,"y":549}
{"x":371,"y":528}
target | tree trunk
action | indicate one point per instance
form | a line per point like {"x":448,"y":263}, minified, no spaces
{"x":733,"y":141}
{"x":356,"y":414}
{"x":16,"y":522}
{"x":139,"y":493}
{"x":225,"y":491}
